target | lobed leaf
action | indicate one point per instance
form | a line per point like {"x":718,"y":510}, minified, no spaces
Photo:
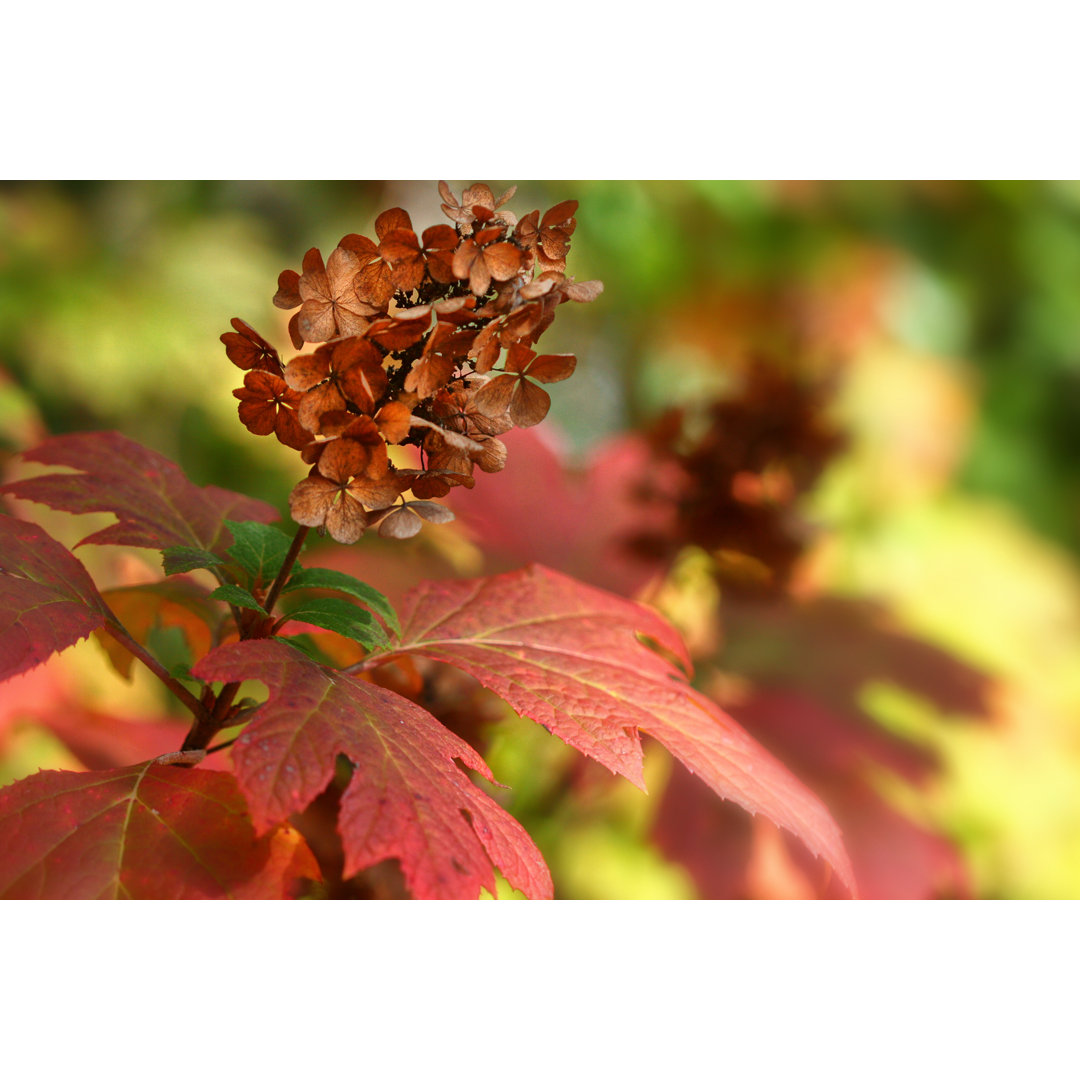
{"x":568,"y":656}
{"x":318,"y":577}
{"x":157,"y":505}
{"x":407,"y":800}
{"x":145,"y":832}
{"x":47,"y":599}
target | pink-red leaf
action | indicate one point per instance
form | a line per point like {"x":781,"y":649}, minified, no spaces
{"x":47,"y":600}
{"x":407,"y":800}
{"x":157,"y":505}
{"x":568,"y":656}
{"x":146,"y":832}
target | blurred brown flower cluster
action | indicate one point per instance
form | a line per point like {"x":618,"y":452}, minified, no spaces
{"x":419,"y":340}
{"x":760,"y":450}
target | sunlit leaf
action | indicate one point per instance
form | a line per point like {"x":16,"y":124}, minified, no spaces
{"x":157,"y":506}
{"x":568,"y":656}
{"x":407,"y":800}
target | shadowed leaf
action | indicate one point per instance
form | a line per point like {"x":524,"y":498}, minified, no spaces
{"x":147,"y":832}
{"x":318,"y":577}
{"x":47,"y":599}
{"x":343,"y":617}
{"x":182,"y":560}
{"x":233,"y":594}
{"x":260,"y":549}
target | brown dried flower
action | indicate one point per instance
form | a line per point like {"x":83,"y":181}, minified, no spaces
{"x":408,"y":355}
{"x":512,"y":393}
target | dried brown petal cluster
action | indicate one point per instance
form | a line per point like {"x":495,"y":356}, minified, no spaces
{"x":762,"y":448}
{"x":418,"y":340}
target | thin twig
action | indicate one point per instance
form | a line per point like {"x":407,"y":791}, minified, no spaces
{"x":115,"y":629}
{"x":286,"y":568}
{"x":207,"y":726}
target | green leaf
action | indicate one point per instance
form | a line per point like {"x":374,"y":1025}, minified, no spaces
{"x":179,"y":559}
{"x":259,"y":549}
{"x":343,"y":617}
{"x":318,"y":577}
{"x":305,"y":643}
{"x":233,"y":594}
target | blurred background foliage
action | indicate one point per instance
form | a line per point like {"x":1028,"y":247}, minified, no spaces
{"x":938,"y":325}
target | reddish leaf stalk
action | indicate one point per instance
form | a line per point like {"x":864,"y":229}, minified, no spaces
{"x":286,"y":568}
{"x":205,"y":728}
{"x":116,"y":630}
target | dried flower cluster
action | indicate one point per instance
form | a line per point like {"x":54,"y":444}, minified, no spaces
{"x":423,"y":341}
{"x":761,"y":450}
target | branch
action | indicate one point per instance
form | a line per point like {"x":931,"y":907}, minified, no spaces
{"x":116,"y":630}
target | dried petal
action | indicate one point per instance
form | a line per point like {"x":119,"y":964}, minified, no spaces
{"x":493,"y":398}
{"x":393,"y":420}
{"x":529,"y":405}
{"x":583,"y":291}
{"x":311,"y":499}
{"x":429,"y":374}
{"x":479,"y":276}
{"x":388,"y":220}
{"x":560,"y":214}
{"x":343,"y":459}
{"x":294,"y":332}
{"x":464,"y":258}
{"x":247,"y":349}
{"x":288,"y":295}
{"x":552,"y":367}
{"x":435,"y":512}
{"x":503,"y":260}
{"x":492,"y":458}
{"x":346,"y":519}
{"x":400,"y":525}
{"x":308,"y":370}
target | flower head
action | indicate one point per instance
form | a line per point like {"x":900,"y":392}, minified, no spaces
{"x":422,"y":341}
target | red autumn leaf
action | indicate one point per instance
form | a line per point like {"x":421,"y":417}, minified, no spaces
{"x":894,"y":857}
{"x":589,"y":514}
{"x":47,"y":600}
{"x":157,"y":505}
{"x":830,"y":647}
{"x":407,"y":800}
{"x":567,"y":656}
{"x":104,"y":741}
{"x":146,"y":832}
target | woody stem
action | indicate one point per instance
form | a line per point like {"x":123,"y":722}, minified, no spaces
{"x":286,"y":568}
{"x":208,"y":725}
{"x":115,"y":629}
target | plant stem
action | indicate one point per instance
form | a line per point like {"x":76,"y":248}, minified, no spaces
{"x":116,"y":630}
{"x":286,"y":568}
{"x":211,"y":722}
